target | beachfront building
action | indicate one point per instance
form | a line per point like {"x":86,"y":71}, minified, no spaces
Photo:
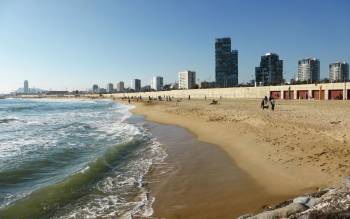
{"x":120,"y":86}
{"x":270,"y":71}
{"x":226,"y":63}
{"x":26,"y":87}
{"x":187,"y":79}
{"x":109,"y":88}
{"x":146,"y":88}
{"x":59,"y":93}
{"x":102,"y":90}
{"x":174,"y":86}
{"x":171,"y":86}
{"x":136,"y":85}
{"x":157,"y":83}
{"x":206,"y":84}
{"x":95,"y":88}
{"x":308,"y":70}
{"x":339,"y":71}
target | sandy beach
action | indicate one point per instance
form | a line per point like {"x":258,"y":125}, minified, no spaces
{"x":300,"y":147}
{"x":199,"y":180}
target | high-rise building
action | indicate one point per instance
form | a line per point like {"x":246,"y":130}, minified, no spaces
{"x":109,"y":88}
{"x":270,"y":70}
{"x":95,"y":88}
{"x":157,"y":83}
{"x":339,"y":71}
{"x":136,"y":85}
{"x":120,"y":86}
{"x":226,"y":63}
{"x":26,"y":87}
{"x":187,"y":79}
{"x":308,"y":70}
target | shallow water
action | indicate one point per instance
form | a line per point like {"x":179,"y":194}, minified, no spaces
{"x":72,"y":159}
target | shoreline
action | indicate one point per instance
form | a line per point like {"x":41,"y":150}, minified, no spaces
{"x":199,"y":180}
{"x":258,"y":169}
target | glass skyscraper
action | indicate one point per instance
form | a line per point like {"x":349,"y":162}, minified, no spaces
{"x":270,"y":71}
{"x":226,"y":63}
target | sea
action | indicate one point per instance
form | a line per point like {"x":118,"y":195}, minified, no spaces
{"x":74,"y":159}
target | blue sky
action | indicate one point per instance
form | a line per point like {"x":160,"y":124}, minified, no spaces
{"x":71,"y":44}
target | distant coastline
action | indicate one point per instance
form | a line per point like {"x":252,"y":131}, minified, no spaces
{"x":316,"y":91}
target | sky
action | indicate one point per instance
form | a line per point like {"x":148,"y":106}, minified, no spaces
{"x":73,"y":44}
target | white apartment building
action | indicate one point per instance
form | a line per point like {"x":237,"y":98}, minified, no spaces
{"x":157,"y":83}
{"x":187,"y":79}
{"x":120,"y":86}
{"x":339,"y":71}
{"x":308,"y":70}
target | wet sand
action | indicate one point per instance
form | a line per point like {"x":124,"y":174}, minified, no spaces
{"x":200,"y":180}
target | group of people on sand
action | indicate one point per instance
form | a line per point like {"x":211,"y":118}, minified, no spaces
{"x":160,"y":98}
{"x":132,"y":98}
{"x":268,"y":101}
{"x":139,"y":98}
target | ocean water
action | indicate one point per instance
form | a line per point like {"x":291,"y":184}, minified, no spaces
{"x":73,"y":159}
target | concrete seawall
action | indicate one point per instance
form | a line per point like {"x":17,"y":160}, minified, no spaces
{"x":306,"y":91}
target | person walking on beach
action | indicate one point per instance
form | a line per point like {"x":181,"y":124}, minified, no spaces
{"x":272,"y":101}
{"x":265,"y":103}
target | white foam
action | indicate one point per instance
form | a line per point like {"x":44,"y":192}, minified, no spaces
{"x":113,"y":202}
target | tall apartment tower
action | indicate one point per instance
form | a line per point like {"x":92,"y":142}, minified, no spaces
{"x":308,"y":70}
{"x":226,"y":63}
{"x":339,"y":71}
{"x":157,"y":83}
{"x":270,"y":70}
{"x":109,"y":88}
{"x":187,"y":79}
{"x":136,"y":85}
{"x":120,"y":86}
{"x":26,"y":87}
{"x":95,"y":88}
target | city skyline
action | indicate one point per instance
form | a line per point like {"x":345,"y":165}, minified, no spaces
{"x":72,"y":45}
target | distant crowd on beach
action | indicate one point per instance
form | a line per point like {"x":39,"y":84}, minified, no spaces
{"x":139,"y":98}
{"x":266,"y":102}
{"x":150,"y":99}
